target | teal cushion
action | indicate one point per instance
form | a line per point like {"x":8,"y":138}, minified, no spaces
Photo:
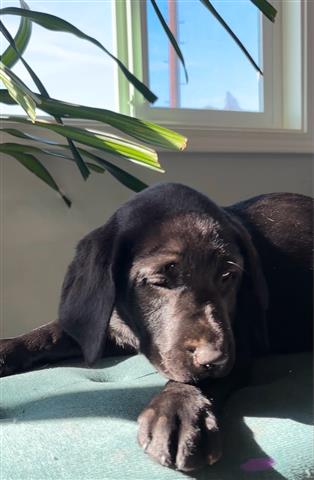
{"x":75,"y":423}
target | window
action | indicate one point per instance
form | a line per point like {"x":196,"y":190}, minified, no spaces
{"x":210,"y":56}
{"x":225,"y":98}
{"x":66,"y":64}
{"x":274,"y":112}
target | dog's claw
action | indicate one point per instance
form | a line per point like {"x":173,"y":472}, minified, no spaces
{"x":171,"y":431}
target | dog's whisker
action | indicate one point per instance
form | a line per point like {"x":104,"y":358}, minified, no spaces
{"x":147,"y":375}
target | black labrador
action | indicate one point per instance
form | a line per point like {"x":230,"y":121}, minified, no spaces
{"x":200,"y":290}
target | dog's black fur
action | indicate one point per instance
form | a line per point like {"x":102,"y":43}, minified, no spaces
{"x":199,"y":289}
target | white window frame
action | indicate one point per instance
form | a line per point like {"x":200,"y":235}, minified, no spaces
{"x":287,"y":123}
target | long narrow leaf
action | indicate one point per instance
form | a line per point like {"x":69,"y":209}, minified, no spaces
{"x":36,"y":167}
{"x":26,"y":148}
{"x":31,"y":72}
{"x":95,"y":168}
{"x":51,"y":22}
{"x":19,"y":91}
{"x":77,"y":157}
{"x":266,"y":8}
{"x":21,"y":40}
{"x":121,"y":175}
{"x":79,"y":160}
{"x":126,"y":178}
{"x":170,"y":36}
{"x":130,"y":181}
{"x":222,"y":22}
{"x":19,"y":134}
{"x":6,"y":98}
{"x":140,"y":129}
{"x":115,"y":145}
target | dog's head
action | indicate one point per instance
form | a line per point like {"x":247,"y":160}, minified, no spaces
{"x":180,"y":273}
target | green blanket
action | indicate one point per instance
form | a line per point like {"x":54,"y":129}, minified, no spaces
{"x":75,"y":423}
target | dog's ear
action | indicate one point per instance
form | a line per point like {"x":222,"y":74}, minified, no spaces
{"x":253,"y":295}
{"x":88,"y":292}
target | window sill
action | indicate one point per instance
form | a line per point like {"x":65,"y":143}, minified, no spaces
{"x":247,"y":140}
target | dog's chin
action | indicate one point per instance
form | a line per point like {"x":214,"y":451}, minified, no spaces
{"x":180,"y":368}
{"x":186,"y":375}
{"x":182,"y":375}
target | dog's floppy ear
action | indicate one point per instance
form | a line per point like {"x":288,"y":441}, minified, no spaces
{"x":88,"y":292}
{"x":253,"y":296}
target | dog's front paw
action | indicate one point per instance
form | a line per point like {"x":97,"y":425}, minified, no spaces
{"x":13,"y":357}
{"x":179,"y":430}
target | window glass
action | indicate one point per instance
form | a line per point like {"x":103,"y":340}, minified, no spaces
{"x":220,"y":76}
{"x":70,"y":68}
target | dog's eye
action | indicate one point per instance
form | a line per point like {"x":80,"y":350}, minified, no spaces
{"x":170,"y":267}
{"x":164,"y":277}
{"x":167,"y":270}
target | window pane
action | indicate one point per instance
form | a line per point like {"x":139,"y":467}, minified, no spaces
{"x":220,"y":76}
{"x":71,"y":69}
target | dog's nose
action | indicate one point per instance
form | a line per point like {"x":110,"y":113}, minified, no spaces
{"x":206,"y":355}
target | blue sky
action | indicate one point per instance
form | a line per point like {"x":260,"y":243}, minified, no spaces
{"x":215,"y":64}
{"x":76,"y":71}
{"x":70,"y":68}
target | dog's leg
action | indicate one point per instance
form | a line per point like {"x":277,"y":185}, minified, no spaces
{"x":48,"y":344}
{"x":180,"y":427}
{"x":44,"y":344}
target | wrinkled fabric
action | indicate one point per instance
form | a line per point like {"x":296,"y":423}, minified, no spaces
{"x":74,"y":423}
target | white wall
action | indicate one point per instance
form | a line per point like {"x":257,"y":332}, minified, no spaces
{"x":39,"y":232}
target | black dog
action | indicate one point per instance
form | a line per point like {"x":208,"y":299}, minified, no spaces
{"x":198,"y":289}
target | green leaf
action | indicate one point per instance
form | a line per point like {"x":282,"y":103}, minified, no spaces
{"x":222,"y":22}
{"x":25,"y":148}
{"x":18,"y":133}
{"x":95,"y":168}
{"x":22,"y":148}
{"x":6,"y":98}
{"x":170,"y":36}
{"x":79,"y":160}
{"x":51,"y":22}
{"x":21,"y":40}
{"x":266,"y":8}
{"x":31,"y":72}
{"x":140,"y":129}
{"x":35,"y":166}
{"x":19,"y":91}
{"x":121,"y":175}
{"x":130,"y":181}
{"x":115,"y":145}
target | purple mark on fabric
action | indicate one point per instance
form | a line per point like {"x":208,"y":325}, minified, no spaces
{"x":258,"y":464}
